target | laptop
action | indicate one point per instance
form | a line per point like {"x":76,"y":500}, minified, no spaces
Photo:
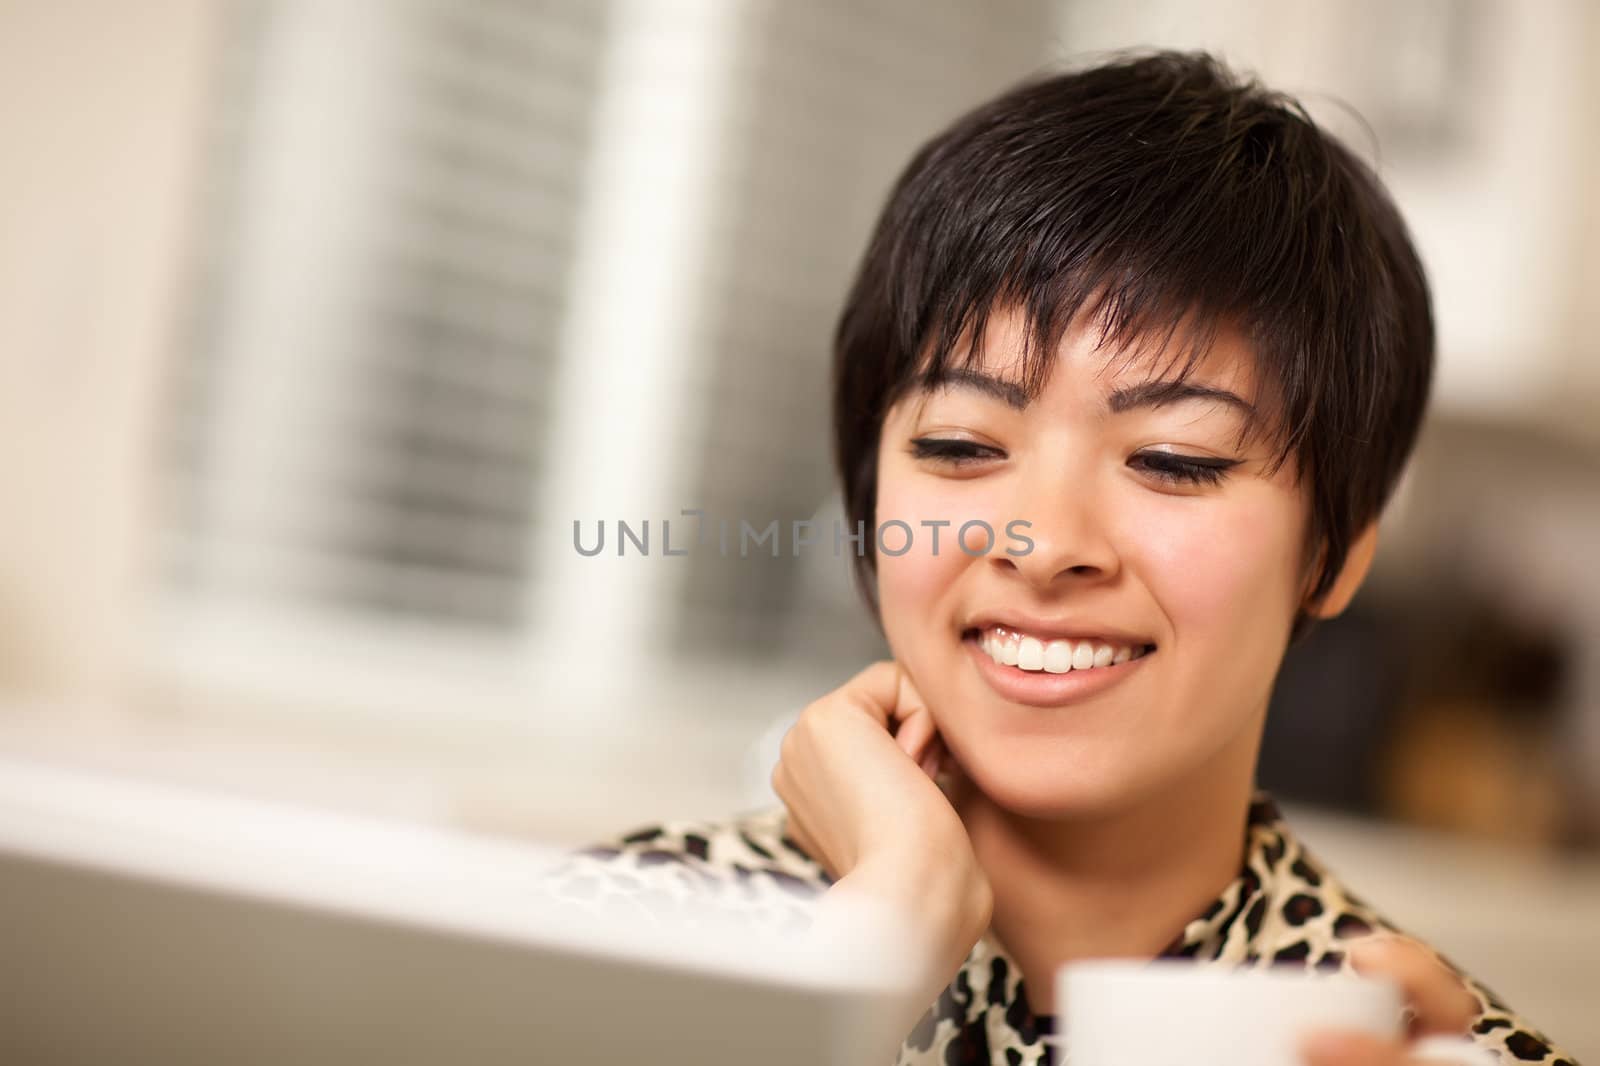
{"x":145,"y":922}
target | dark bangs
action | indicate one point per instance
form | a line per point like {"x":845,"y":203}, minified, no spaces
{"x":1159,"y":198}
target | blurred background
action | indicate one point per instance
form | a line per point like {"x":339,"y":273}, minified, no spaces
{"x":321,"y":323}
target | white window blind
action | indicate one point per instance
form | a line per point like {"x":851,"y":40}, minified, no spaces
{"x":470,"y":271}
{"x":382,"y":270}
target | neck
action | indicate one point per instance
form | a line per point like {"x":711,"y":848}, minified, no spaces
{"x":1122,"y":883}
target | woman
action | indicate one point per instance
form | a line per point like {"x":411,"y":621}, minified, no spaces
{"x":1136,"y":356}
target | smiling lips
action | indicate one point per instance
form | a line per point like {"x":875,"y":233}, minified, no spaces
{"x":1008,"y":647}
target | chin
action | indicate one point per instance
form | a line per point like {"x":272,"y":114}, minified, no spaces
{"x":1028,"y":780}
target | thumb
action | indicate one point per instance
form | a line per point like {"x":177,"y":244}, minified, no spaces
{"x":916,"y":733}
{"x":907,"y":700}
{"x":1439,"y":999}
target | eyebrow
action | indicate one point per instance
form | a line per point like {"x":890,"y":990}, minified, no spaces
{"x":1161,"y":393}
{"x":1121,"y":399}
{"x":1007,"y":392}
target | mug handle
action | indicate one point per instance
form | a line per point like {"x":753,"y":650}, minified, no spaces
{"x":1452,"y":1050}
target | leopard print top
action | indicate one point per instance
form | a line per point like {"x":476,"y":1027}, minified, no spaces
{"x":1284,"y":907}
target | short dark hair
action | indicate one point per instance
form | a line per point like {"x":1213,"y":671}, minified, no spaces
{"x":1153,"y":191}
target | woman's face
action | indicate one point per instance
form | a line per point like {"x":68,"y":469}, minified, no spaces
{"x":1124,"y":555}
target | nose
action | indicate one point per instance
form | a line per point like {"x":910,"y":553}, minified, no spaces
{"x":1070,"y":534}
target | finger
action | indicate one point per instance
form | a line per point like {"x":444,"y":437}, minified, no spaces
{"x":908,"y":701}
{"x":885,"y":692}
{"x":1342,"y":1047}
{"x":915,"y":733}
{"x":1438,"y":997}
{"x":933,"y":760}
{"x":876,"y":690}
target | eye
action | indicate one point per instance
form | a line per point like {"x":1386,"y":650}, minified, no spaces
{"x":1184,"y":469}
{"x":952,"y":451}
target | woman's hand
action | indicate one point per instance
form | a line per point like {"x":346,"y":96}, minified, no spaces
{"x":856,"y":774}
{"x":1439,"y":1001}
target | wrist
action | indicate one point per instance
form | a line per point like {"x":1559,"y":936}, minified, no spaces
{"x":946,"y":896}
{"x":932,"y":912}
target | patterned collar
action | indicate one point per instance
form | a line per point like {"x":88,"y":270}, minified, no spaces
{"x":1283,"y":907}
{"x":984,"y":1011}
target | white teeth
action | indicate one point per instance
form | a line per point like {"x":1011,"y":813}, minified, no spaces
{"x":1030,"y":655}
{"x":1082,"y":655}
{"x":1058,"y":657}
{"x":1010,"y":648}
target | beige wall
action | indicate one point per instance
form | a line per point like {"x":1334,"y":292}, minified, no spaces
{"x":99,"y":110}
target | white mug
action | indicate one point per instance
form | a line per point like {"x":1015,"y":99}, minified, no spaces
{"x":1174,"y":1012}
{"x":1157,"y":1012}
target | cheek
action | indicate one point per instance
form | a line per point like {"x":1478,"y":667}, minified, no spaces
{"x":911,"y":580}
{"x":1227,"y":570}
{"x":911,"y":585}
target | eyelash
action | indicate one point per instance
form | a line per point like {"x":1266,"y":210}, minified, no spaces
{"x":1189,"y":470}
{"x":1166,"y":466}
{"x":955,"y":452}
